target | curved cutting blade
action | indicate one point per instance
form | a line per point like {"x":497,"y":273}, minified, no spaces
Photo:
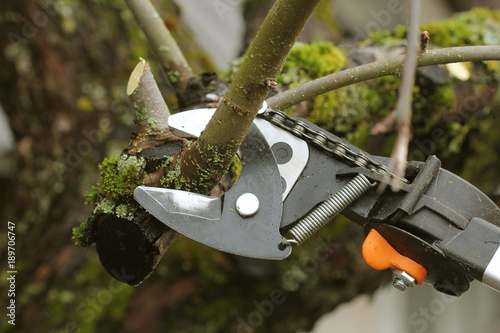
{"x":215,"y":221}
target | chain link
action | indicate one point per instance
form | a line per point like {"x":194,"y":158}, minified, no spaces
{"x":331,"y":146}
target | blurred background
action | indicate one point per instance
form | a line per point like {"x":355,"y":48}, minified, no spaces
{"x":64,"y":66}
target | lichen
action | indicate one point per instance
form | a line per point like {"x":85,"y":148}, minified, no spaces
{"x":173,"y":76}
{"x":140,"y":113}
{"x":112,"y":195}
{"x":125,"y":211}
{"x":212,"y":156}
{"x":173,"y":179}
{"x":152,"y":122}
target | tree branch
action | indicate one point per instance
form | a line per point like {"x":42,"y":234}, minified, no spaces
{"x":172,"y":60}
{"x":379,"y":69}
{"x":150,"y":108}
{"x":234,"y":116}
{"x":130,"y":249}
{"x":403,"y":110}
{"x":139,"y":248}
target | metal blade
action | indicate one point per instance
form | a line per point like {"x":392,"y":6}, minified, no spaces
{"x":216,"y":222}
{"x":292,"y":153}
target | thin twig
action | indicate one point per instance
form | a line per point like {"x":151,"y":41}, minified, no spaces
{"x":172,"y":60}
{"x":403,"y":110}
{"x":378,"y":69}
{"x":387,"y":124}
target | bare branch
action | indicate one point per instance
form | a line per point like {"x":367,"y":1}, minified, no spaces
{"x":403,"y":110}
{"x":172,"y":60}
{"x":131,"y":249}
{"x":387,"y":124}
{"x":379,"y":69}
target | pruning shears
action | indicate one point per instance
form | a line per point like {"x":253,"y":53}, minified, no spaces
{"x":296,"y":177}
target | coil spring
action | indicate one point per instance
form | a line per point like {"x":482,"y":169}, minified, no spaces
{"x":331,"y":207}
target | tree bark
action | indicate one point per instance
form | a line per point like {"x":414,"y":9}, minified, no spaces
{"x":263,"y":63}
{"x":131,"y":249}
{"x":171,"y":57}
{"x":374,"y":70}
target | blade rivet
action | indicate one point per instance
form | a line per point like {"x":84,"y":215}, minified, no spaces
{"x":247,"y":204}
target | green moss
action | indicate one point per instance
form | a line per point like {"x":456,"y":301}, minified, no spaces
{"x":480,"y":136}
{"x":479,"y":26}
{"x":120,"y":176}
{"x":86,"y":233}
{"x":310,"y":61}
{"x":343,"y":110}
{"x":351,"y":111}
{"x":112,"y":195}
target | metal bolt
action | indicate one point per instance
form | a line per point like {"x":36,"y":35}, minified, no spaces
{"x":263,"y":108}
{"x":247,"y":204}
{"x":402,"y":280}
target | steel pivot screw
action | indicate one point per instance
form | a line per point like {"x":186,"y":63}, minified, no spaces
{"x":247,"y":204}
{"x":402,"y":280}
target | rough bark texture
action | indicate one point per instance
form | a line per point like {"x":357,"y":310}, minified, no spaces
{"x":234,"y":116}
{"x":130,"y":248}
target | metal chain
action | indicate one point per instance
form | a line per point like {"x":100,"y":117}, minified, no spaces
{"x":331,"y":146}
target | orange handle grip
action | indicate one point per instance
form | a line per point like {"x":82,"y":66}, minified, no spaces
{"x":380,"y":255}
